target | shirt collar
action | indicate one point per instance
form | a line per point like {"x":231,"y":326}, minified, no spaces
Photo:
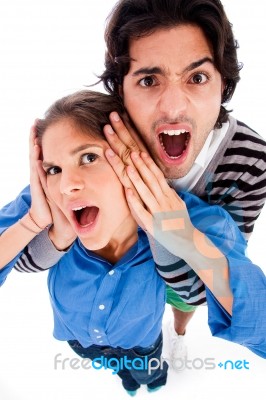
{"x":202,"y":156}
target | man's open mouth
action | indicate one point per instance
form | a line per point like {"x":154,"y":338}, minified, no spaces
{"x":85,"y":216}
{"x":174,"y":142}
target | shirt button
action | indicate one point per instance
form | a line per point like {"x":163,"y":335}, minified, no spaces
{"x":98,"y":337}
{"x":100,"y":341}
{"x":101,"y":306}
{"x":111,"y":272}
{"x":95,"y":330}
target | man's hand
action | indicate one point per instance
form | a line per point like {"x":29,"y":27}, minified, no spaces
{"x":161,"y":211}
{"x":123,"y":140}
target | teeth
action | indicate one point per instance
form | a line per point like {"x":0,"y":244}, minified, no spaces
{"x":174,"y":132}
{"x":78,"y":208}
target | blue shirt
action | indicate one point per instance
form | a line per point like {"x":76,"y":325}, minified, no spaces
{"x":129,"y":304}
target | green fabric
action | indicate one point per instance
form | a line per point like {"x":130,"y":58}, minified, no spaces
{"x":174,"y":300}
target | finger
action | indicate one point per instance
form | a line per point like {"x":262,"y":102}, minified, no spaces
{"x":149,"y":178}
{"x":142,"y":216}
{"x":155,"y":170}
{"x":119,"y":168}
{"x":42,"y":177}
{"x":143,"y":190}
{"x":126,"y":133}
{"x":117,"y":145}
{"x":162,"y":182}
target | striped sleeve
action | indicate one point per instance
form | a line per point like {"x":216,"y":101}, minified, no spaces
{"x":178,"y":274}
{"x":39,"y":255}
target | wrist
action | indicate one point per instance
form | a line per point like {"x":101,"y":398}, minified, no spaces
{"x":29,"y":224}
{"x":60,"y":243}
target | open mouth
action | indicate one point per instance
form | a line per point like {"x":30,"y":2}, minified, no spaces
{"x":85,"y":216}
{"x":174,"y":142}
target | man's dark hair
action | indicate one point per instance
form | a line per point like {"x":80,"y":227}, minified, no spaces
{"x":139,"y":18}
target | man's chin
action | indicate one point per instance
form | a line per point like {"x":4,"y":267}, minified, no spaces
{"x":174,"y":171}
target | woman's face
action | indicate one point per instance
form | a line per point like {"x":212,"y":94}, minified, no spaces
{"x":83,"y":184}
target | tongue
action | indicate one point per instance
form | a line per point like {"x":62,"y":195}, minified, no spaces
{"x":174,"y":145}
{"x":88,"y":215}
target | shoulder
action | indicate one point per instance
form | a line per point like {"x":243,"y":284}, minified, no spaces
{"x":245,"y":141}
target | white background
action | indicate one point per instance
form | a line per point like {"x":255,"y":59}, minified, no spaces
{"x":48,"y":49}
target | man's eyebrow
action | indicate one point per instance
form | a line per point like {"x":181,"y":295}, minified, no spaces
{"x":73,"y":152}
{"x":148,"y":71}
{"x":159,"y":70}
{"x":198,"y":63}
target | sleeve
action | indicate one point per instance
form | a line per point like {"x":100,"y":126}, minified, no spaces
{"x":39,"y":255}
{"x":10,"y":214}
{"x":247,"y":325}
{"x":178,"y":274}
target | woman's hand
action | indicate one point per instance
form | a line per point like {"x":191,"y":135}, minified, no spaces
{"x":43,"y":209}
{"x":40,"y":210}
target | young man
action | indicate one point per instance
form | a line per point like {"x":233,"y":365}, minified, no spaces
{"x":174,"y":64}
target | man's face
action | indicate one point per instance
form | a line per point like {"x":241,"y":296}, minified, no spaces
{"x":173,"y":94}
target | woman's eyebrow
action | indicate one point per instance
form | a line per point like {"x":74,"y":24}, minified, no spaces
{"x":78,"y":149}
{"x":83,"y":147}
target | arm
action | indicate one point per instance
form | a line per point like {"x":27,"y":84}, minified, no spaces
{"x":235,"y":287}
{"x":165,"y":216}
{"x":17,"y":232}
{"x":175,"y":271}
{"x":15,"y":238}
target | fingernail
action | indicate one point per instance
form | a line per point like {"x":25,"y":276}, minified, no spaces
{"x":144,"y":155}
{"x":110,"y":153}
{"x":115,"y":117}
{"x":129,"y":192}
{"x":109,"y":129}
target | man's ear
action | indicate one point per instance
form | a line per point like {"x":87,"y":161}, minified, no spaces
{"x":223,"y":88}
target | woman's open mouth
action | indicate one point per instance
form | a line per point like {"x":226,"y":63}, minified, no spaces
{"x":85,"y":217}
{"x":174,"y":142}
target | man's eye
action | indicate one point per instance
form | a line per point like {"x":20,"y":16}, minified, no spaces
{"x":199,"y":78}
{"x":88,"y":158}
{"x":53,"y":171}
{"x":147,"y":81}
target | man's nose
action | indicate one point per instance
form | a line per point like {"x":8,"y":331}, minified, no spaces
{"x":71,"y":182}
{"x":173,"y":100}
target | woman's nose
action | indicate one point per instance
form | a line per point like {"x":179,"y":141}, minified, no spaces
{"x":70,"y":182}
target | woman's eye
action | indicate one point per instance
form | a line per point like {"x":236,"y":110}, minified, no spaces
{"x":147,"y":81}
{"x":88,"y":158}
{"x":199,"y":78}
{"x":53,"y":171}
